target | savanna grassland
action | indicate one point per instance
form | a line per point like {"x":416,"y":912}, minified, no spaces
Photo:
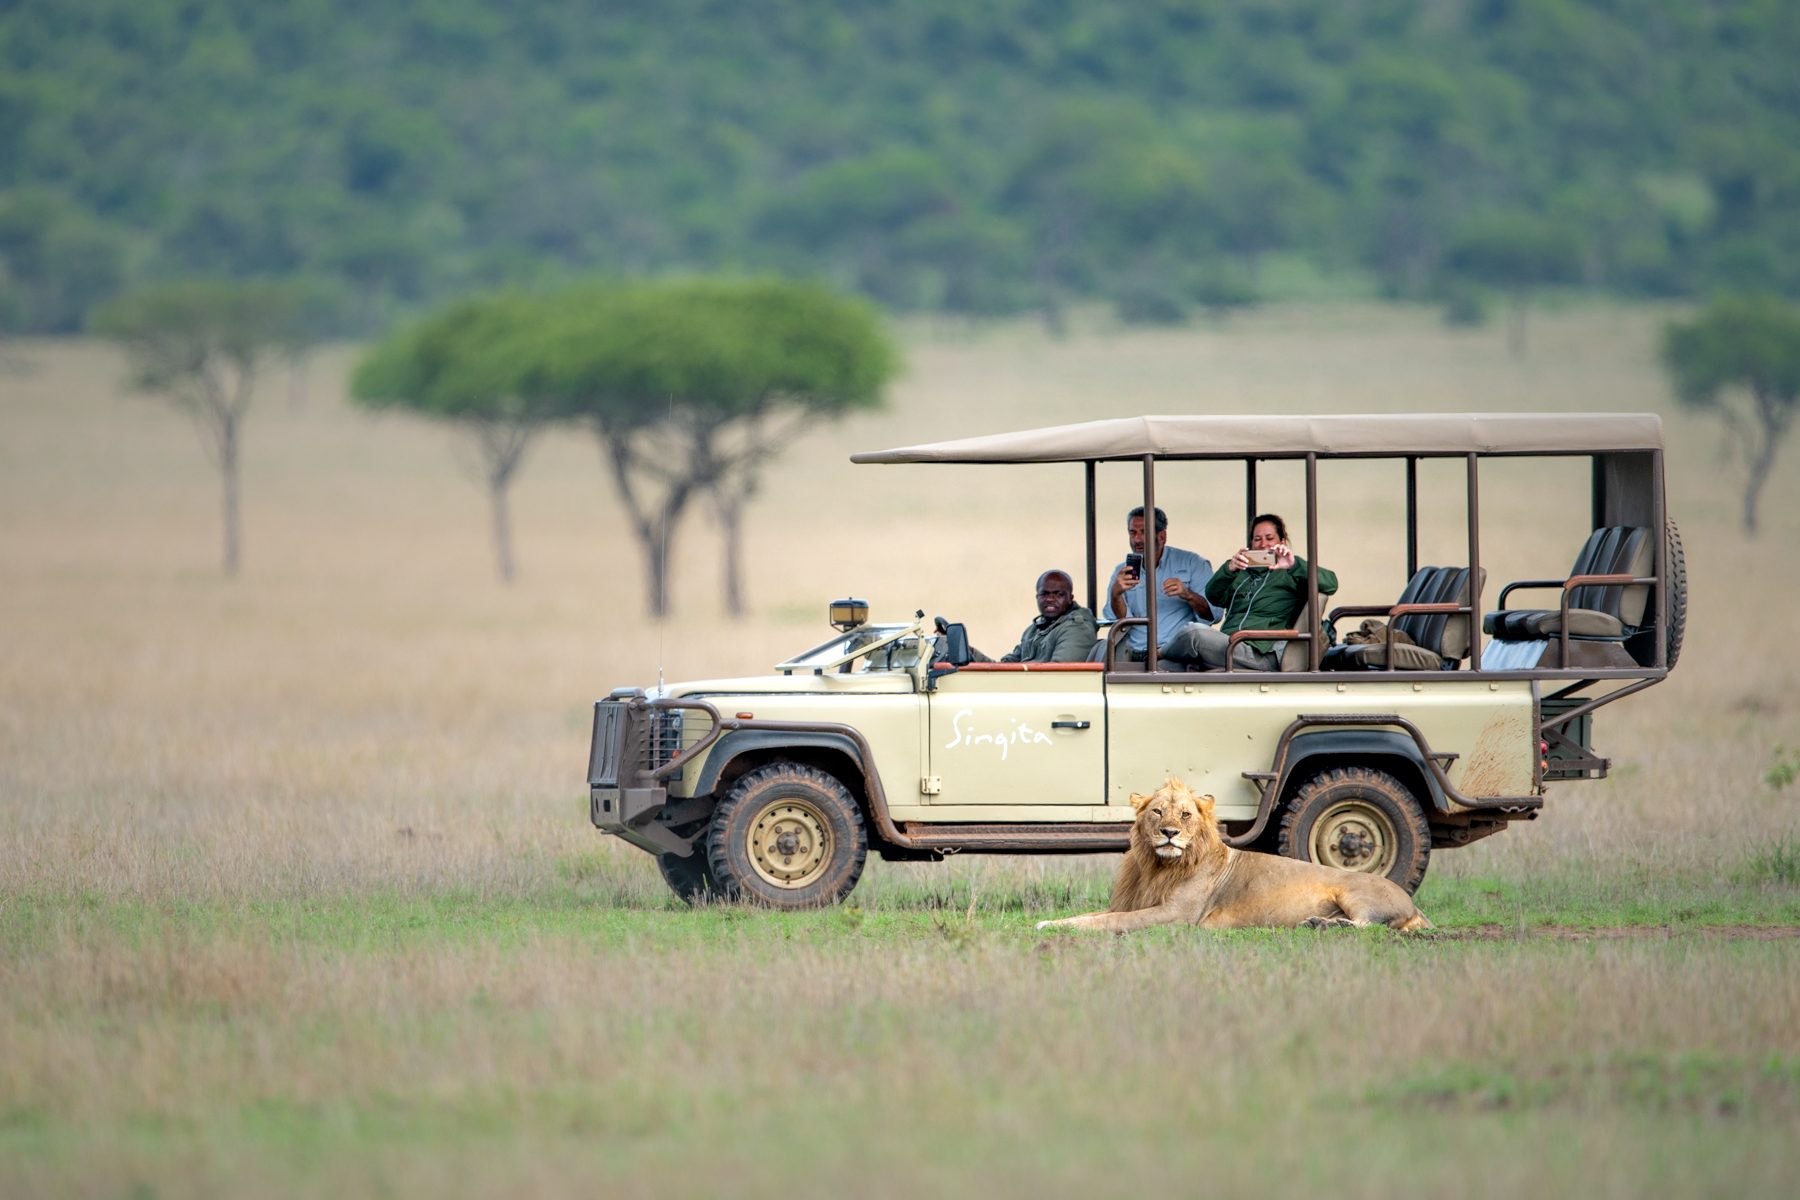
{"x":297,"y":890}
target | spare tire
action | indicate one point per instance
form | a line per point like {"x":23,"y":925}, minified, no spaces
{"x":1675,"y":564}
{"x":1665,"y":616}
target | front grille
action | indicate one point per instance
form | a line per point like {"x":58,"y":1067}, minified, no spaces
{"x":611,"y":722}
{"x":665,"y":736}
{"x":633,"y":740}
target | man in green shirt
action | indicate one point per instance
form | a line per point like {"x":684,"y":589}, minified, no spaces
{"x":1063,"y":631}
{"x":1262,"y":586}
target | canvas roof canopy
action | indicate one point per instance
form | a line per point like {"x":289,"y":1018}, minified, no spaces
{"x":1387,"y":435}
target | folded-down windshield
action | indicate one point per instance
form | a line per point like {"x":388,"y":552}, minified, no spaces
{"x":866,"y":648}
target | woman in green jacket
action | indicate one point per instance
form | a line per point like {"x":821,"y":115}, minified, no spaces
{"x":1262,"y":586}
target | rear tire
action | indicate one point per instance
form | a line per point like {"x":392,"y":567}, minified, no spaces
{"x":787,"y":836}
{"x":1359,"y":819}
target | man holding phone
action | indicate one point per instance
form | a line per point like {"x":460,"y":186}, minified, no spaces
{"x":1181,"y":578}
{"x":1263,"y":586}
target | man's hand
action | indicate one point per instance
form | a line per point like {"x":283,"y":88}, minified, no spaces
{"x":1187,"y":595}
{"x":1123,"y":580}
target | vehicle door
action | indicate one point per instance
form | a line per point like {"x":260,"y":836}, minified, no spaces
{"x":1012,"y":734}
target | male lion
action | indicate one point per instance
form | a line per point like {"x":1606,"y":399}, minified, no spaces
{"x":1179,"y":870}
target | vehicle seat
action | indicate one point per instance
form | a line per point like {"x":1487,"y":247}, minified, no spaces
{"x":1606,"y":612}
{"x":1440,"y":639}
{"x":1295,"y":655}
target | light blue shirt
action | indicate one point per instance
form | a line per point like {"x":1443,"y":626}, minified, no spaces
{"x":1172,"y":612}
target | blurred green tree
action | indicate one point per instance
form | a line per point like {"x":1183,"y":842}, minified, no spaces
{"x":1515,"y":253}
{"x":1740,"y":359}
{"x":200,"y":345}
{"x":1105,"y":193}
{"x":56,"y":261}
{"x":859,"y":212}
{"x":693,"y":385}
{"x":477,"y":364}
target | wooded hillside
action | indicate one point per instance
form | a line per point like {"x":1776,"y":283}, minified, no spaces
{"x":1000,"y":157}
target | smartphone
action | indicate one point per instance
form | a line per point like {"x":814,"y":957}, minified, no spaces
{"x":1134,"y":563}
{"x":1260,"y":558}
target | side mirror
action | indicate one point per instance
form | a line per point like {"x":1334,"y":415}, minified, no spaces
{"x":956,"y":643}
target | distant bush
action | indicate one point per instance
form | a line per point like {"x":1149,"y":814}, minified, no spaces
{"x":1150,"y":302}
{"x":1220,"y":290}
{"x":1784,"y":768}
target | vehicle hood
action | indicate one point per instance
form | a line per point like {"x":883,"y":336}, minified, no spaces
{"x":797,"y":684}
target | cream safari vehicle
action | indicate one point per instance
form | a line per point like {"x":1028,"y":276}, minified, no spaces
{"x":773,"y":789}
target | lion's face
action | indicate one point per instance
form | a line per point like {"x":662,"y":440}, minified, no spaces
{"x":1171,"y":819}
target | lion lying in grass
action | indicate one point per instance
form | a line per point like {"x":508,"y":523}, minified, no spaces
{"x":1180,"y":871}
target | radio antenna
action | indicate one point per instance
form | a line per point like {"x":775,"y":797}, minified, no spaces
{"x":662,"y":619}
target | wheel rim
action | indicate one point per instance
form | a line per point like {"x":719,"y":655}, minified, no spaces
{"x":790,"y":843}
{"x":1355,"y":836}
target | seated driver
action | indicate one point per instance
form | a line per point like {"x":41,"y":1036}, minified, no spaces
{"x":1063,"y":631}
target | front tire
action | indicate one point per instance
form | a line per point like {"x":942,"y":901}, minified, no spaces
{"x":787,"y":836}
{"x":1359,"y":819}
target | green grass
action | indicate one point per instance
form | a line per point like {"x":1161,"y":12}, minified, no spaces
{"x":1777,"y":864}
{"x":607,"y":916}
{"x":463,"y":1044}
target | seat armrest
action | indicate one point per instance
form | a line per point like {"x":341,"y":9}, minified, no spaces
{"x":1273,"y":635}
{"x":1401,"y":610}
{"x":1529,"y":583}
{"x":1117,"y":630}
{"x":1575,"y":581}
{"x":1358,"y":610}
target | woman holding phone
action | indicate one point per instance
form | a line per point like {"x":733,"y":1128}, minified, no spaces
{"x":1262,"y":586}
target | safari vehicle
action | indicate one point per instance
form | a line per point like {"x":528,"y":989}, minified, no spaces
{"x":773,"y":789}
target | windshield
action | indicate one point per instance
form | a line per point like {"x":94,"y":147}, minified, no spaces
{"x":865,"y":648}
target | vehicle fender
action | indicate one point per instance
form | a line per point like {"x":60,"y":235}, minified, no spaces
{"x":1368,"y":746}
{"x":743,"y":741}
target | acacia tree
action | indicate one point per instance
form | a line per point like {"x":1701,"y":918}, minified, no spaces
{"x":474,"y":364}
{"x":692,"y":386}
{"x":1740,"y":359}
{"x":201,"y":345}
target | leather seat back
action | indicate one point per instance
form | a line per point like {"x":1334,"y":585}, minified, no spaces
{"x":1444,"y":634}
{"x":1614,"y":550}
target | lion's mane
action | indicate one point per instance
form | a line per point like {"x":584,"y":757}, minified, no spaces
{"x":1146,"y":880}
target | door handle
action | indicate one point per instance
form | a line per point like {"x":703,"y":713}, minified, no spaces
{"x":1069,"y":724}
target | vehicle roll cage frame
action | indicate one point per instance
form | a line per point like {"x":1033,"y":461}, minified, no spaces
{"x":1469,"y":437}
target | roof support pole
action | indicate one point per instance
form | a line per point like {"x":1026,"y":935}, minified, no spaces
{"x":1314,"y":651}
{"x":1249,"y":496}
{"x":1660,"y":557}
{"x":1474,"y":506}
{"x":1151,"y":591}
{"x":1412,"y":517}
{"x":1093,"y":565}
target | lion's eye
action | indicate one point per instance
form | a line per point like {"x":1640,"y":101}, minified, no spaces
{"x":1157,"y":813}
